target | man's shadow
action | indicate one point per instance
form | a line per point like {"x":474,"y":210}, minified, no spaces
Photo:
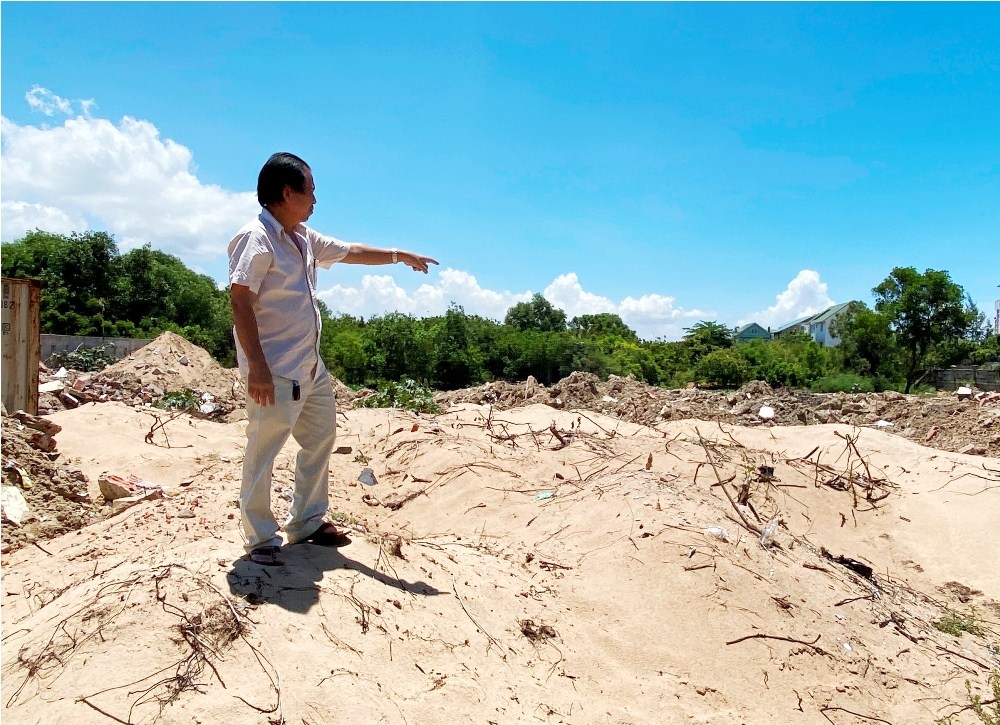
{"x":294,"y":586}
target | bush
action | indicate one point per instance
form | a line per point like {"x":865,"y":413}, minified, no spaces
{"x":406,"y":394}
{"x":85,"y":359}
{"x":724,"y":368}
{"x":177,"y":400}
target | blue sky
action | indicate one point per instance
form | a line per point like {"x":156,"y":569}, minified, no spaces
{"x":666,"y":162}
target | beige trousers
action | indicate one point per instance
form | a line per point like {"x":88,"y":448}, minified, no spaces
{"x":312,"y":422}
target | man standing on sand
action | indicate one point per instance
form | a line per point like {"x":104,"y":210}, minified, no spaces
{"x":272,"y":277}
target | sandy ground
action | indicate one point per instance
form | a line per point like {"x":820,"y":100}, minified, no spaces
{"x":520,"y":565}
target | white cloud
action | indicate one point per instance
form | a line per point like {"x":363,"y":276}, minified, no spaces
{"x":17,"y":217}
{"x":651,"y":316}
{"x":805,"y":295}
{"x":45,"y":101}
{"x":122,"y":177}
{"x":568,"y":295}
{"x":378,"y":294}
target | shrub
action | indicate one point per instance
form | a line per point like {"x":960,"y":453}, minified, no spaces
{"x":177,"y":400}
{"x":85,"y":359}
{"x":724,"y":368}
{"x":406,"y":394}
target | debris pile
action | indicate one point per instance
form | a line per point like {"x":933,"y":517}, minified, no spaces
{"x":41,"y":497}
{"x":169,"y":364}
{"x":970,"y":424}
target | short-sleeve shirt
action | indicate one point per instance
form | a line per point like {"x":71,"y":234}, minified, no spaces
{"x":281,"y":270}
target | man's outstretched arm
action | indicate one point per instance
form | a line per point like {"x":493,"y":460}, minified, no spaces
{"x":365,"y":254}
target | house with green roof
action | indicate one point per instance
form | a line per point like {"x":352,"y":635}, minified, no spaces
{"x":752,"y":331}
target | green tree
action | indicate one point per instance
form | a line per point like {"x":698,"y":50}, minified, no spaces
{"x":538,"y":314}
{"x":867,"y":342}
{"x":603,"y":324}
{"x":548,"y":356}
{"x":988,"y":351}
{"x":457,"y":363}
{"x":157,"y":292}
{"x":79,"y":275}
{"x":398,"y":346}
{"x":773,"y":363}
{"x":342,"y":346}
{"x":89,"y":289}
{"x":632,"y":358}
{"x":924,"y":310}
{"x":673,"y":360}
{"x":705,"y":337}
{"x":723,"y":368}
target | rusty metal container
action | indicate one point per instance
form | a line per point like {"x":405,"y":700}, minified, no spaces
{"x":21,"y":321}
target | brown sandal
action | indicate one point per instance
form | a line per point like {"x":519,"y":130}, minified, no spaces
{"x":327,"y":535}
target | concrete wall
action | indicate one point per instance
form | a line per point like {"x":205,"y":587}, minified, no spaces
{"x":66,"y":343}
{"x":985,"y":377}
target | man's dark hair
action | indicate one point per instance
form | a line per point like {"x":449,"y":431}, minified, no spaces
{"x":281,"y":169}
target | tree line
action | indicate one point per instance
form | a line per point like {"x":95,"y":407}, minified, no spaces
{"x":919,"y":321}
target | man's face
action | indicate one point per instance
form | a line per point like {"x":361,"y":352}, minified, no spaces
{"x":300,"y":203}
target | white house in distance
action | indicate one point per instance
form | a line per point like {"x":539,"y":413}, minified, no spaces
{"x":996,"y":322}
{"x":818,"y":326}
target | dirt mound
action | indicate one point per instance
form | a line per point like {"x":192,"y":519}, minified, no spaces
{"x":170,"y":364}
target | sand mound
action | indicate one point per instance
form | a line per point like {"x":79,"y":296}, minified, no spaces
{"x":520,"y":565}
{"x":588,"y":552}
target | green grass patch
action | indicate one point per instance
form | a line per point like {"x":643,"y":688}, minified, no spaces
{"x":958,"y":624}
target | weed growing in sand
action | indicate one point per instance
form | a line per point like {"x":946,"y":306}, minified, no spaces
{"x":987,"y":711}
{"x":407,"y":394}
{"x":362,"y":459}
{"x":957,"y":624}
{"x":989,"y":716}
{"x":177,"y":400}
{"x":340,"y":517}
